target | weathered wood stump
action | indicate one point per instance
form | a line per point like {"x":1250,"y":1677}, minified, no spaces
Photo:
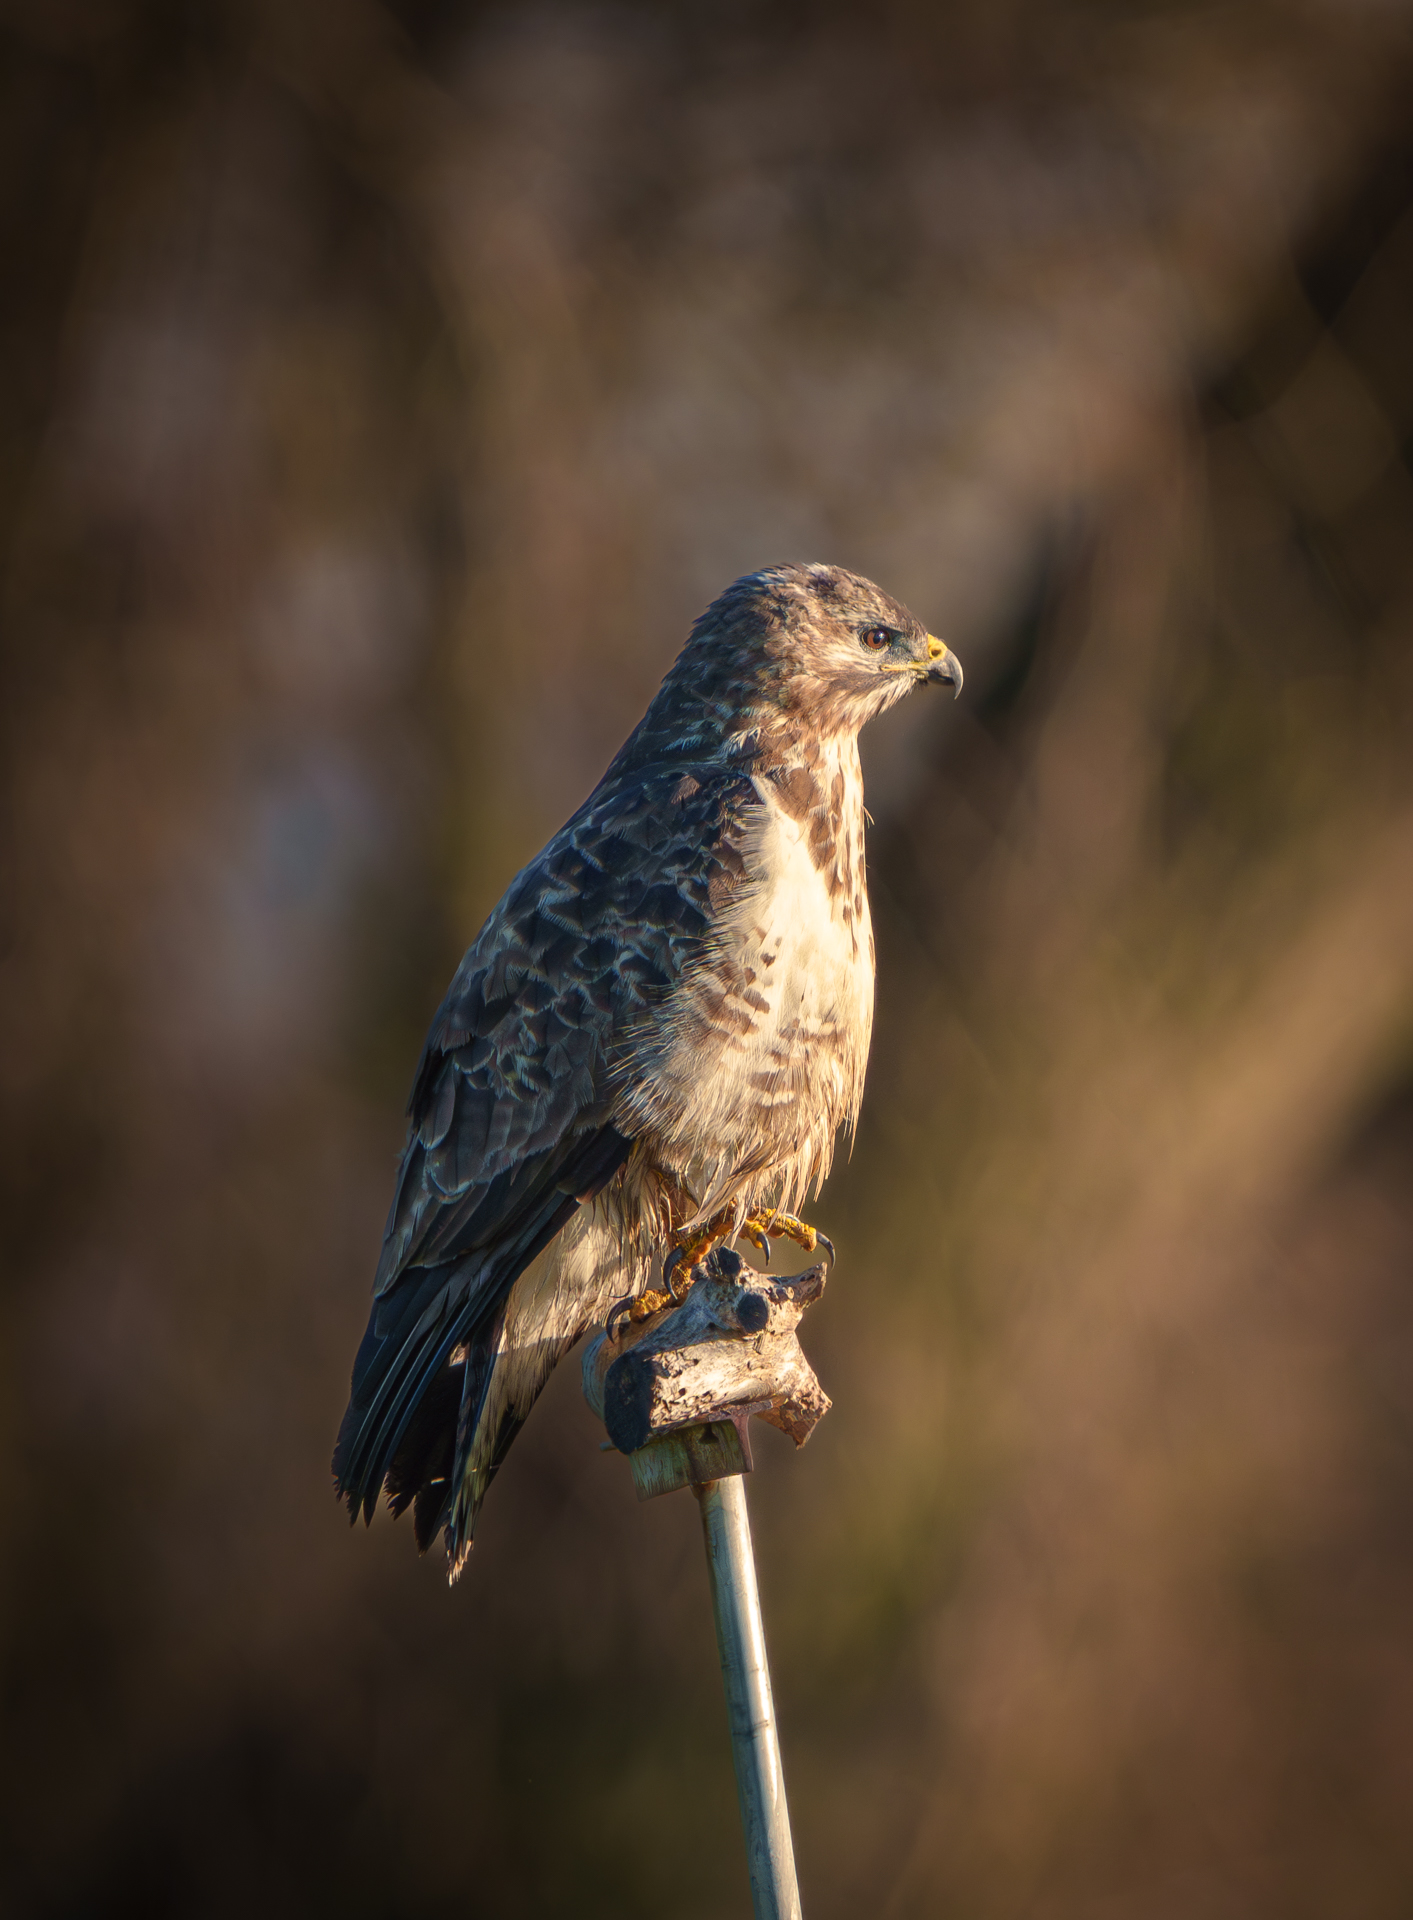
{"x":676,"y":1392}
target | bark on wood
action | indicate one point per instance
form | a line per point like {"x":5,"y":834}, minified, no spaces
{"x":699,"y":1371}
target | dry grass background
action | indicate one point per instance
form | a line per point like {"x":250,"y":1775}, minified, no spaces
{"x":384,"y":389}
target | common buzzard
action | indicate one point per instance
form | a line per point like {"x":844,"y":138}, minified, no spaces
{"x":652,"y":1043}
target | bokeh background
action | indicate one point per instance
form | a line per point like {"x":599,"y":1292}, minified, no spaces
{"x":383,"y":389}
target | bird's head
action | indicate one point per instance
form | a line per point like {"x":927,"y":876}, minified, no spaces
{"x":812,"y":643}
{"x":788,"y":653}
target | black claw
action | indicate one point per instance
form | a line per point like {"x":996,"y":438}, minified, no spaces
{"x":620,"y":1310}
{"x":669,"y":1270}
{"x":823,"y":1240}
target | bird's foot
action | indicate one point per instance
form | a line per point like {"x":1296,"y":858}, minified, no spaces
{"x":641,"y":1306}
{"x":760,"y":1228}
{"x":692,"y":1245}
{"x":632,"y":1308}
{"x":769,"y":1223}
{"x":679,"y":1271}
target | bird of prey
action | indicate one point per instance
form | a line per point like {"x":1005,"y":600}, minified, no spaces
{"x":651,"y":1045}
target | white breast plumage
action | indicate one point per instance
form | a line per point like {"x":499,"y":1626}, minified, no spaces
{"x":763,"y":1046}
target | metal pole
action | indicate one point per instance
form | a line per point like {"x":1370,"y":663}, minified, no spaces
{"x":755,"y":1746}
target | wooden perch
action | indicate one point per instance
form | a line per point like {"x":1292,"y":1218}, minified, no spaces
{"x":676,"y":1391}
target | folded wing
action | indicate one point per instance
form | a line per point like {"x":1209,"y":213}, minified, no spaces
{"x":511,"y":1115}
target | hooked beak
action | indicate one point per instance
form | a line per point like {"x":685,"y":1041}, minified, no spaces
{"x":943,"y":664}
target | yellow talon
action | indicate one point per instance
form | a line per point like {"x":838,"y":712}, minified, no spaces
{"x":635,"y":1308}
{"x":690,"y":1249}
{"x":760,"y":1228}
{"x":758,"y":1238}
{"x":784,"y":1226}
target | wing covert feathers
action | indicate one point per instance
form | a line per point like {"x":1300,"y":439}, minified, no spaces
{"x":510,"y":1126}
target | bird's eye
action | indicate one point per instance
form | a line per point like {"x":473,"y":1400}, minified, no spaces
{"x":876,"y":638}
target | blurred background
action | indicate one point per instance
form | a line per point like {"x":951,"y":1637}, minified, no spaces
{"x":383,"y":389}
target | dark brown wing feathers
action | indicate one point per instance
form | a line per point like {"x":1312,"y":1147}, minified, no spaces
{"x":509,"y":1120}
